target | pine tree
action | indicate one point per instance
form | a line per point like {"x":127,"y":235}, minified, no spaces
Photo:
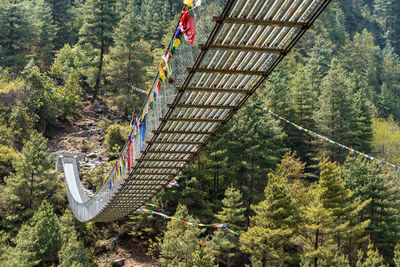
{"x":315,"y":231}
{"x":318,"y":64}
{"x":337,"y":199}
{"x":388,"y":97}
{"x":225,"y":246}
{"x":393,"y":24}
{"x":276,"y":93}
{"x":254,"y":144}
{"x":396,"y":258}
{"x":203,"y":255}
{"x":361,"y":56}
{"x":34,"y":179}
{"x":372,"y":259}
{"x":45,"y":32}
{"x":370,"y":182}
{"x":302,"y":108}
{"x":62,"y":19}
{"x":335,"y":117}
{"x":16,"y":34}
{"x":180,"y":240}
{"x":73,"y":253}
{"x":41,"y":236}
{"x":363,"y":123}
{"x":97,"y":31}
{"x":268,"y":239}
{"x":128,"y":59}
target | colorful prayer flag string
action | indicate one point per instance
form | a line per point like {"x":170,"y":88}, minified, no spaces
{"x":220,"y":226}
{"x":136,"y":89}
{"x":314,"y":134}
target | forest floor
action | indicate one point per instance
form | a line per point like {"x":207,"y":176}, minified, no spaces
{"x":85,"y":134}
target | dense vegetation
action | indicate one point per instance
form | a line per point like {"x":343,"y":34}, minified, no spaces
{"x":296,"y":201}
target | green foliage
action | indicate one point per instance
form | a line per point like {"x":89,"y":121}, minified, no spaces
{"x":96,"y":32}
{"x":225,"y":245}
{"x":41,"y":236}
{"x":372,"y":259}
{"x":16,"y":34}
{"x":44,"y":33}
{"x":179,"y":244}
{"x":397,"y":255}
{"x":336,"y":114}
{"x":386,"y":139}
{"x":33,"y":181}
{"x":73,"y":253}
{"x":115,"y":139}
{"x":315,"y":233}
{"x":370,"y":181}
{"x":337,"y":199}
{"x":268,"y":239}
{"x":21,"y":125}
{"x":7,"y":156}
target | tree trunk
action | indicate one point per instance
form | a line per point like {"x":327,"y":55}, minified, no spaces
{"x":316,"y":247}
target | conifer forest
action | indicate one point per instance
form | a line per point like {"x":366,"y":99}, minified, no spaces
{"x":73,"y":76}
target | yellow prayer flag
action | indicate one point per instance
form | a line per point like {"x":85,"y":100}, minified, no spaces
{"x":161,"y":73}
{"x":176,"y":42}
{"x":188,"y":2}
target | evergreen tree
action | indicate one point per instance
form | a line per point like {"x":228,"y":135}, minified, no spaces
{"x":372,"y":259}
{"x":203,"y":255}
{"x":335,"y":117}
{"x":180,"y":240}
{"x":276,"y":94}
{"x":254,"y":144}
{"x":21,"y":124}
{"x":41,"y":237}
{"x":370,"y":182}
{"x":45,"y":32}
{"x":363,"y":123}
{"x":73,"y":253}
{"x":361,"y":56}
{"x":34,"y":179}
{"x":318,"y":64}
{"x":389,"y":94}
{"x":393,"y":24}
{"x":315,"y":232}
{"x":97,"y":32}
{"x":62,"y":19}
{"x":396,"y":258}
{"x":128,"y":59}
{"x":225,"y":246}
{"x":301,"y":113}
{"x":15,"y":33}
{"x":268,"y":239}
{"x":337,"y":199}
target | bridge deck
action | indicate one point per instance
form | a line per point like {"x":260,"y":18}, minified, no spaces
{"x":247,"y":40}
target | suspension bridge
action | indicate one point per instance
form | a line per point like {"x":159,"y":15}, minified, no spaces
{"x":238,"y":44}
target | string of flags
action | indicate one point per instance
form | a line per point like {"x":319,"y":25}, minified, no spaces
{"x":136,"y":89}
{"x":220,"y":226}
{"x":184,"y":31}
{"x":324,"y":138}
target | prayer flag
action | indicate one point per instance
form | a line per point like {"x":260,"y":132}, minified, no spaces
{"x":176,"y":42}
{"x":188,"y":2}
{"x":128,"y":156}
{"x":187,"y":27}
{"x":142,"y":132}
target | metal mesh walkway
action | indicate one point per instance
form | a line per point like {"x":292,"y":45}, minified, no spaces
{"x":240,"y":43}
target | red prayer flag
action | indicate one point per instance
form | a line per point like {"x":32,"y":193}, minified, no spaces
{"x":128,"y":157}
{"x":187,"y":27}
